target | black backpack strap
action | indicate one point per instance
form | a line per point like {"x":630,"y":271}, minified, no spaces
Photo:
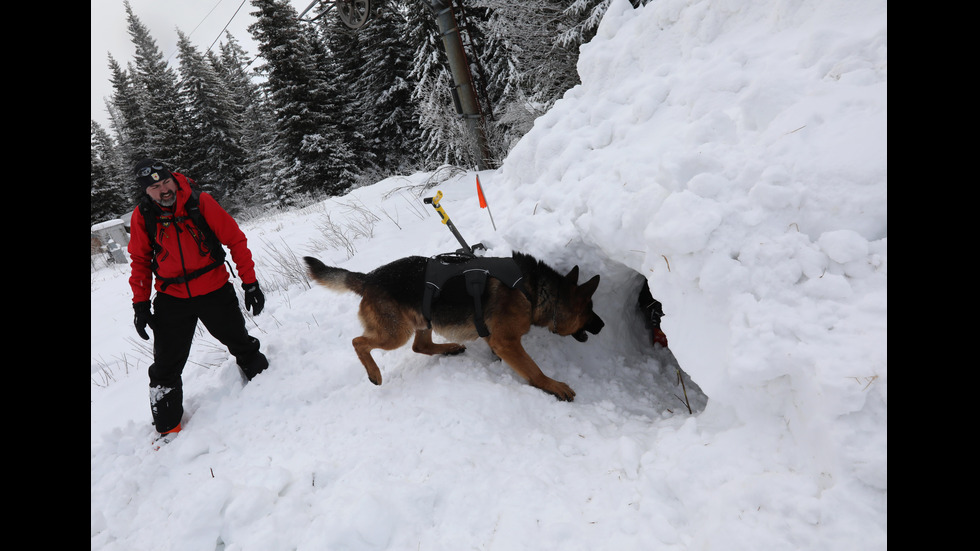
{"x":212,"y":245}
{"x":211,"y":241}
{"x":168,"y":281}
{"x":150,"y":213}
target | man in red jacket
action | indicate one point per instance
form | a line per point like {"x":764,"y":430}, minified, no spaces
{"x":191,"y":284}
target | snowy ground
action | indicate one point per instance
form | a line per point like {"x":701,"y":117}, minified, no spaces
{"x":732,"y":153}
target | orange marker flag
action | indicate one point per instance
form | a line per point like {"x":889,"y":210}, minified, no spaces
{"x":479,"y":192}
{"x":483,"y":201}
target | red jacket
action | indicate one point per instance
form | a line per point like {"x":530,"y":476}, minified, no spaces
{"x":180,"y":254}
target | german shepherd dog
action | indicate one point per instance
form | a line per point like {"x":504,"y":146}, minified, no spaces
{"x":391,"y":312}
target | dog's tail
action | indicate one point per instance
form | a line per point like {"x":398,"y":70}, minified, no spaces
{"x":337,"y":279}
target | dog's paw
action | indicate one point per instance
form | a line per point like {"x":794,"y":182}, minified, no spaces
{"x":562,"y":391}
{"x":454,"y":349}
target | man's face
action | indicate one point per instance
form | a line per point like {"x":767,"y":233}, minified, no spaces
{"x":163,"y":192}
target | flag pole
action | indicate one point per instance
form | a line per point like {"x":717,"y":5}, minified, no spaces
{"x":483,"y":201}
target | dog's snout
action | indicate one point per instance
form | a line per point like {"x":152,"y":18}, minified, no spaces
{"x":595,"y":324}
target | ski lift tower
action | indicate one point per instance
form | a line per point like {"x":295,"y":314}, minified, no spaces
{"x":355,"y":13}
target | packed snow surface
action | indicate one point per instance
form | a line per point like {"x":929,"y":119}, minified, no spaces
{"x":731,"y":153}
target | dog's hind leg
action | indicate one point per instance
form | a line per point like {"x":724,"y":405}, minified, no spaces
{"x":363,"y":347}
{"x":423,"y":345}
{"x":512,"y":352}
{"x":384,"y":328}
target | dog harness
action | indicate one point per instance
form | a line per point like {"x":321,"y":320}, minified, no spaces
{"x":475,"y":270}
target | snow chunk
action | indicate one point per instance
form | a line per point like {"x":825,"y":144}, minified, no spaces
{"x":843,"y":246}
{"x":684,"y":222}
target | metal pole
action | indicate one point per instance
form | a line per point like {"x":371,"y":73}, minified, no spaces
{"x":462,"y":79}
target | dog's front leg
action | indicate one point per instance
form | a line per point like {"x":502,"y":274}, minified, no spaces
{"x":512,"y":352}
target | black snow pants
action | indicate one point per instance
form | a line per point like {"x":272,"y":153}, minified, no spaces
{"x":175,"y":320}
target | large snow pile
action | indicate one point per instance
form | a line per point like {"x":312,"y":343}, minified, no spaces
{"x":731,"y":153}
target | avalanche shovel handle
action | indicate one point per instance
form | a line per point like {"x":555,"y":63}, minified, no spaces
{"x":434,"y":201}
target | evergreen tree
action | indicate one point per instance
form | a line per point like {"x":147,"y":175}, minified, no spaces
{"x":311,"y":156}
{"x":159,"y":97}
{"x":581,"y":19}
{"x":337,"y":147}
{"x":108,"y":194}
{"x":255,"y":120}
{"x":531,"y":52}
{"x":214,"y":153}
{"x":543,"y":65}
{"x":232,"y":66}
{"x":397,"y":65}
{"x":128,"y":123}
{"x":378,"y":64}
{"x":351,"y":96}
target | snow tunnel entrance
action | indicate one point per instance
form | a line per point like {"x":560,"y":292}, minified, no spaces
{"x":647,"y":344}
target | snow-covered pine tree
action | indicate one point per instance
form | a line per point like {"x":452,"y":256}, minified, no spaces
{"x":156,"y":87}
{"x":109,"y":196}
{"x":384,"y":87}
{"x":344,"y":60}
{"x":334,"y":148}
{"x":232,"y":66}
{"x":126,"y":116}
{"x":214,"y":155}
{"x":537,"y":69}
{"x":311,"y":156}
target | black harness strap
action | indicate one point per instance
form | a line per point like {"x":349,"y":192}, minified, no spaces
{"x":474,"y":270}
{"x":167,"y":281}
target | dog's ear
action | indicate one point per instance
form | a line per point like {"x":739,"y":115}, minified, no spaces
{"x":572,"y":276}
{"x":589,"y":287}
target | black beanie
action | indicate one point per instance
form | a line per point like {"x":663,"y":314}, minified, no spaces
{"x":150,"y":171}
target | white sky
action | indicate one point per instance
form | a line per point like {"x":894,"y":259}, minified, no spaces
{"x":202,"y":20}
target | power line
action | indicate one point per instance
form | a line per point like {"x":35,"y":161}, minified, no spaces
{"x":226,"y":25}
{"x":209,"y":15}
{"x":201,"y":23}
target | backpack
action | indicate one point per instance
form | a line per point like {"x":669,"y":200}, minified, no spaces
{"x":208,"y":243}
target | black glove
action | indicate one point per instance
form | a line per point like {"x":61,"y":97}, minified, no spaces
{"x":254,"y":299}
{"x":142,"y":318}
